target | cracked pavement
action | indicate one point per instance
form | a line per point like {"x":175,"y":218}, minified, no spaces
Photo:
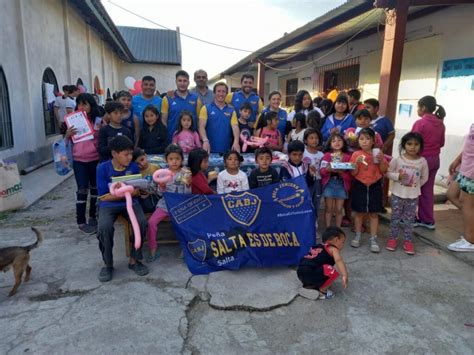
{"x":394,"y":303}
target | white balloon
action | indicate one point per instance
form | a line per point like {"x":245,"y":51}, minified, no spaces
{"x":129,"y":82}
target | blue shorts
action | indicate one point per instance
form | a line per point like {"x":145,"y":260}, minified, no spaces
{"x":335,"y":189}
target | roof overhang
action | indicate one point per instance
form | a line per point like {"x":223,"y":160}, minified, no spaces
{"x":354,"y":19}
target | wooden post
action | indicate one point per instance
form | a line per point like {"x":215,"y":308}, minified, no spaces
{"x":392,"y":55}
{"x":391,"y":66}
{"x":261,"y":80}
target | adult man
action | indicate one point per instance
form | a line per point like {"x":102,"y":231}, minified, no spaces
{"x":205,"y":95}
{"x":246,"y":94}
{"x":181,"y":100}
{"x":218,"y":125}
{"x":381,"y":124}
{"x":65,"y":104}
{"x":147,"y":97}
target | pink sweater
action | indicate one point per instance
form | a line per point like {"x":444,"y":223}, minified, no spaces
{"x":87,"y":151}
{"x":432,"y":130}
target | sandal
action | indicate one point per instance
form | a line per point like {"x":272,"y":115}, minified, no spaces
{"x":152,"y":258}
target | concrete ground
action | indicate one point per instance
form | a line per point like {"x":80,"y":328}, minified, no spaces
{"x":395,"y":303}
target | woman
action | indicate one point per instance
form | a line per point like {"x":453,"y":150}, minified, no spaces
{"x":274,"y":100}
{"x":304,"y":104}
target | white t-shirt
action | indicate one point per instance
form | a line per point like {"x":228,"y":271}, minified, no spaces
{"x":314,"y":159}
{"x":292,"y":114}
{"x":297,"y":136}
{"x":228,"y":183}
{"x":63,"y":104}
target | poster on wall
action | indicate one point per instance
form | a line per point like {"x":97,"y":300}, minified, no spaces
{"x":457,"y":74}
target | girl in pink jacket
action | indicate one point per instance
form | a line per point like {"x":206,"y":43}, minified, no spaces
{"x":431,"y":128}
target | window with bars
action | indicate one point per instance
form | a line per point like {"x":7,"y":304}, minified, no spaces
{"x":50,"y":89}
{"x":291,"y":90}
{"x":6,"y":132}
{"x":343,"y":75}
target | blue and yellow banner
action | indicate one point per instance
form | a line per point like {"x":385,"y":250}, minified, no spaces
{"x":272,"y":225}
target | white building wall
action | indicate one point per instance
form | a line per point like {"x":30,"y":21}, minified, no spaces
{"x":39,"y":35}
{"x":443,"y":35}
{"x":163,"y":74}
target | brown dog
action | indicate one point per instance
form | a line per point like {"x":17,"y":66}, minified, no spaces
{"x":18,"y":258}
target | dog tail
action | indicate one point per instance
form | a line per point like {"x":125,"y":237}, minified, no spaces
{"x":39,"y":239}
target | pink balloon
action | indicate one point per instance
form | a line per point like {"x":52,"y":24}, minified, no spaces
{"x":138,"y":85}
{"x":162,"y":176}
{"x":120,"y":189}
{"x":134,"y":92}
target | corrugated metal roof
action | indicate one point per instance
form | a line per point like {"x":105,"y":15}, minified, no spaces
{"x":152,"y":45}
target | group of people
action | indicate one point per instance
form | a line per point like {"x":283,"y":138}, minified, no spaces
{"x":340,"y":147}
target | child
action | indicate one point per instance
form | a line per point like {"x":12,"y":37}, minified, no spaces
{"x":432,"y":129}
{"x":370,"y":167}
{"x":295,"y":166}
{"x":263,"y":174}
{"x":362,"y":120}
{"x":268,"y":124}
{"x":148,"y":199}
{"x":380,"y":124}
{"x":409,"y":172}
{"x":326,"y":107}
{"x":336,"y":183}
{"x":315,"y":120}
{"x":129,"y":119}
{"x":153,"y":136}
{"x":85,"y":159}
{"x":186,"y":136}
{"x":232,"y":179}
{"x":312,"y":139}
{"x":297,"y":133}
{"x":340,"y":120}
{"x":198,"y":163}
{"x":112,"y":130}
{"x":181,"y":183}
{"x":111,"y":207}
{"x":244,"y":127}
{"x":316,"y":270}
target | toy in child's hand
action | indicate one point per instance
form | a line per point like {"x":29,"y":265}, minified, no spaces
{"x":253,"y":142}
{"x":120,"y":189}
{"x":162,"y":176}
{"x":361,"y":159}
{"x":351,"y":137}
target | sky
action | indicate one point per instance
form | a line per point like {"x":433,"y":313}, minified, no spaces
{"x":244,"y":24}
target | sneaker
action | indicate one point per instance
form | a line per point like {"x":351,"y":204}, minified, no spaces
{"x":346,"y":222}
{"x":408,"y":247}
{"x":325,"y":295}
{"x":138,"y":268}
{"x":106,"y":274}
{"x":430,"y":226}
{"x":391,"y":244}
{"x":355,"y":243}
{"x":463,"y":246}
{"x":308,"y":293}
{"x":92,"y":222}
{"x":461,"y":240}
{"x":374,"y":247}
{"x":87,"y":229}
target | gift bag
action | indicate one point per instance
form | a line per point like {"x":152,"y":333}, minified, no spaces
{"x":11,"y":190}
{"x":62,"y":157}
